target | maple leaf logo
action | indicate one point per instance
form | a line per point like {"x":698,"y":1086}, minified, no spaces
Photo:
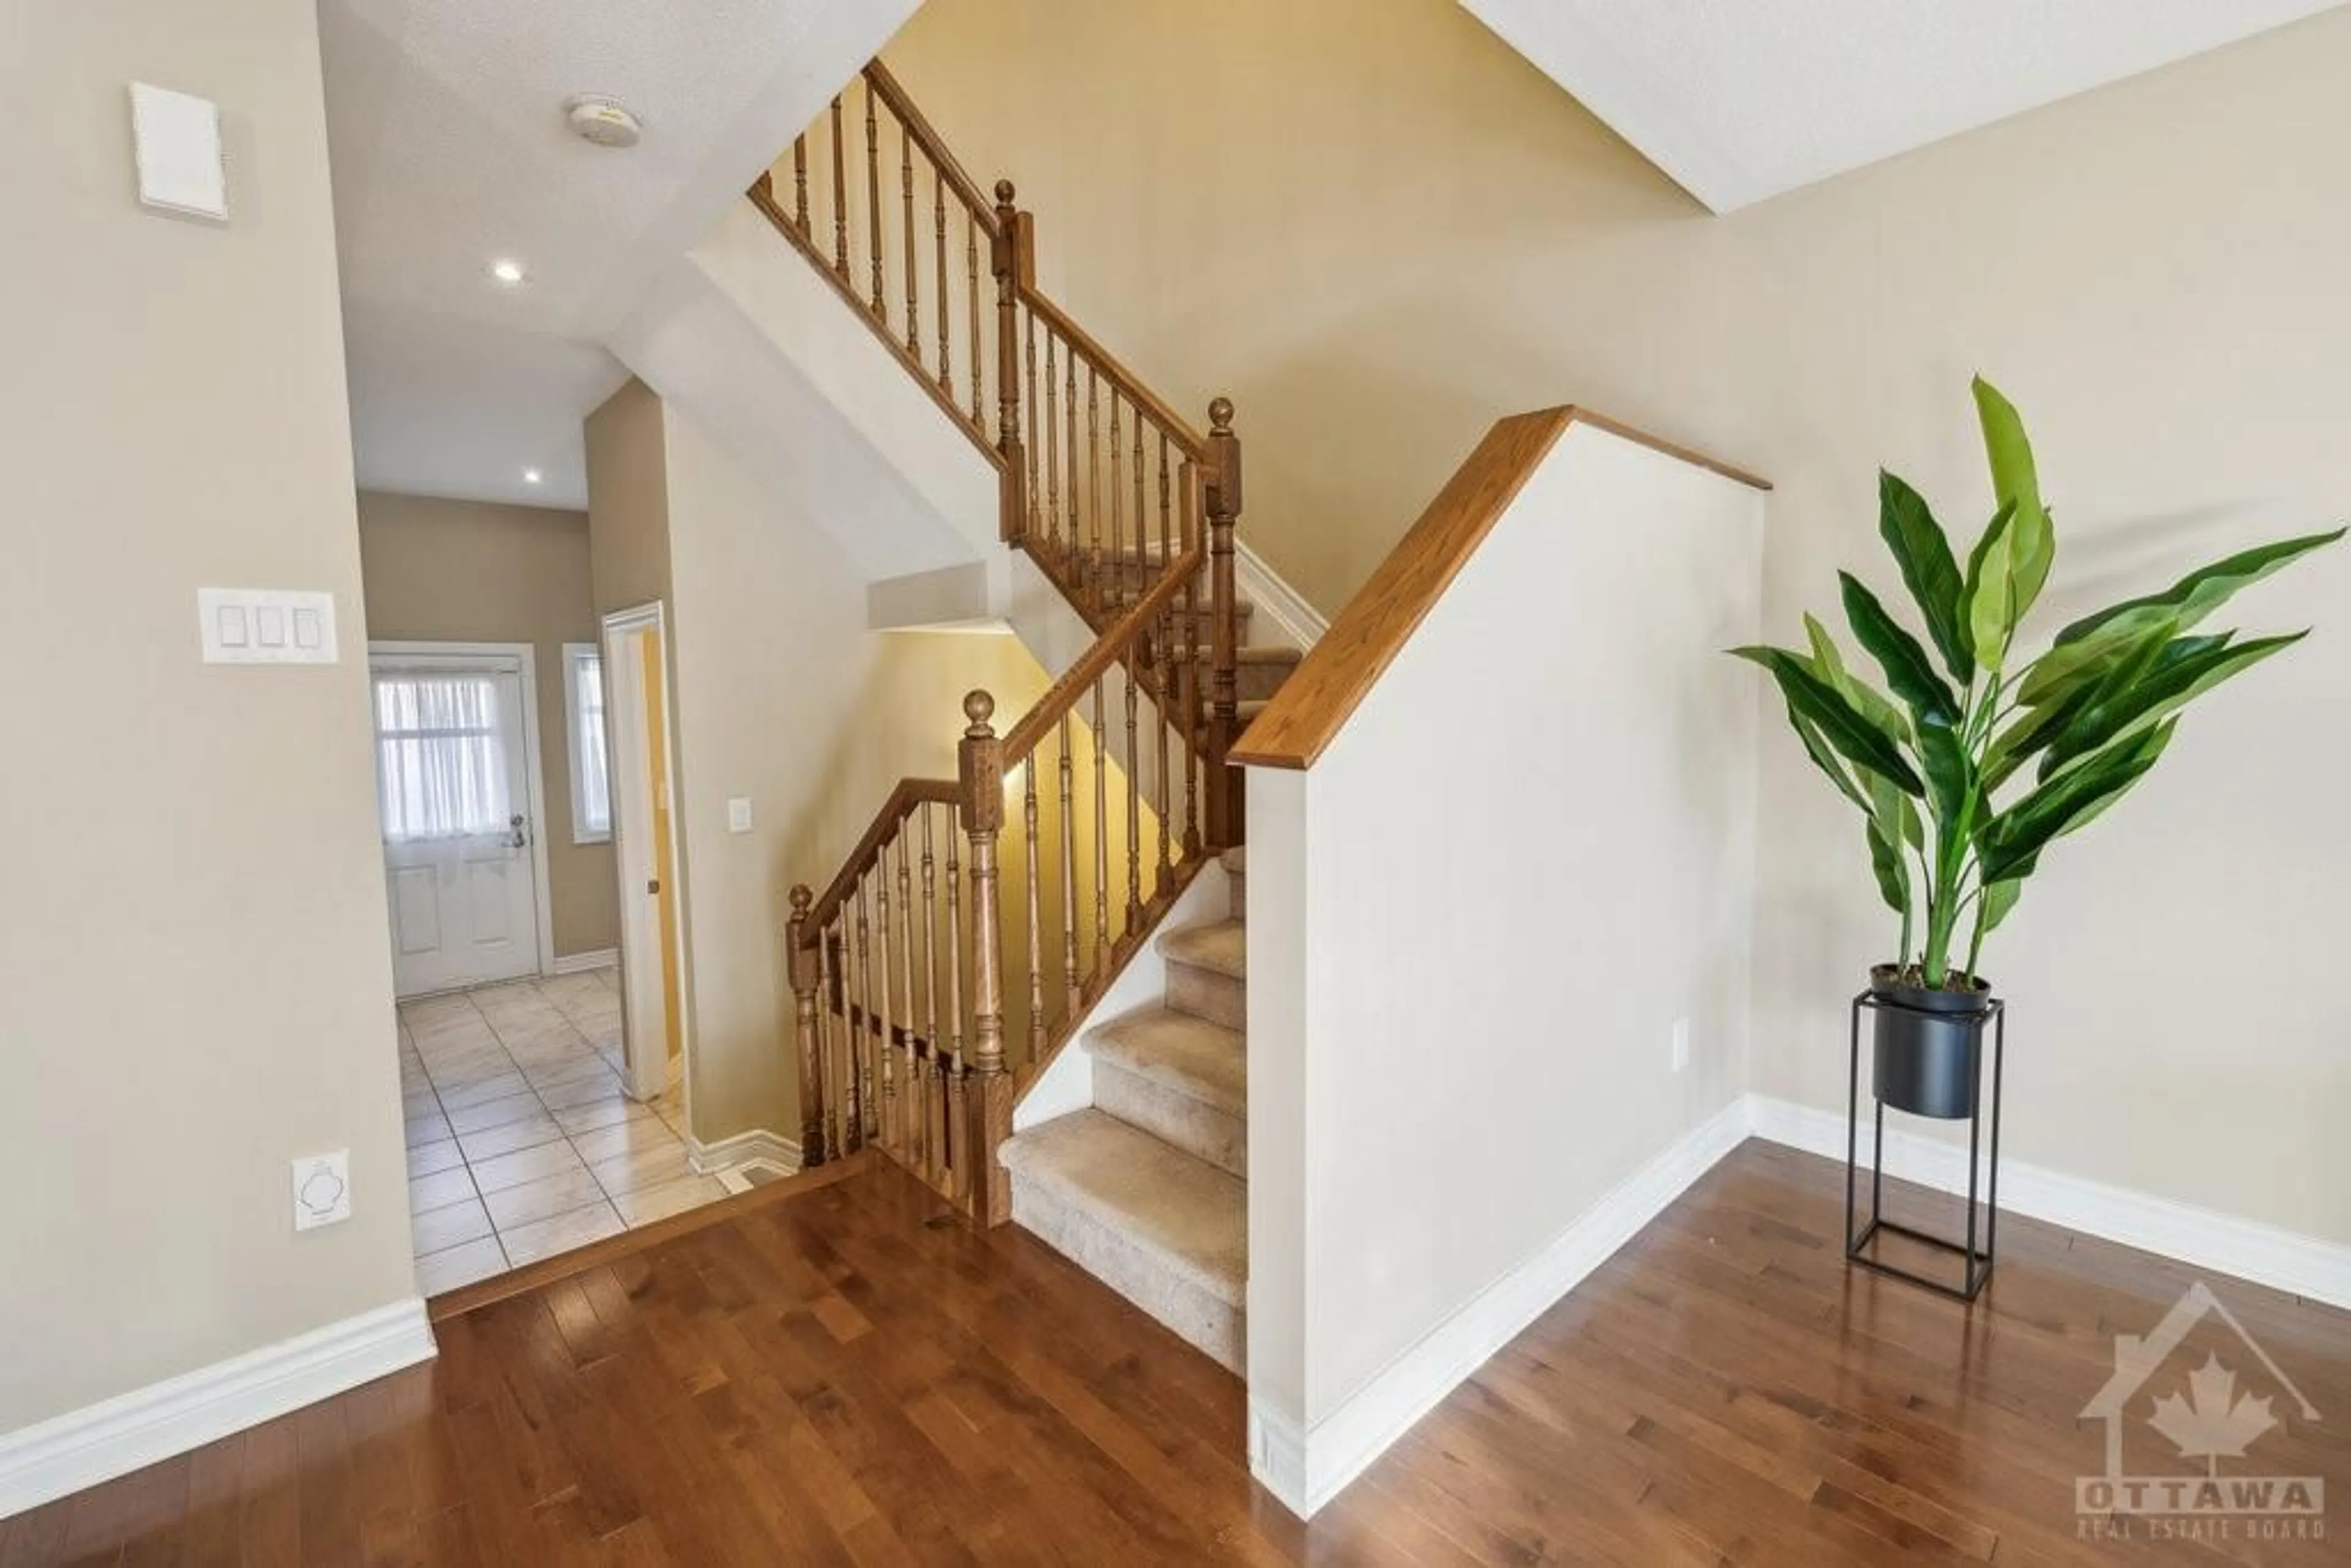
{"x":2213,"y":1420}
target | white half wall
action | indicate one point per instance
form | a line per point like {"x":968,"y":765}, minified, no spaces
{"x":1461,"y":1022}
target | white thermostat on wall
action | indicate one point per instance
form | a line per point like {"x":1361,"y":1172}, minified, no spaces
{"x":176,"y":139}
{"x":266,"y":626}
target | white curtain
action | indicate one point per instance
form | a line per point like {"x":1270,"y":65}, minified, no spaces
{"x":595,"y":802}
{"x":440,"y":771}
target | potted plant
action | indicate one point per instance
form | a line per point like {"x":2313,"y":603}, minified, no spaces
{"x":1980,"y":759}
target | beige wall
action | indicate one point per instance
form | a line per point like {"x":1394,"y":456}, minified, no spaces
{"x":1378,"y":228}
{"x":194,"y":969}
{"x":780,"y":694}
{"x":469,"y":571}
{"x":628,"y":500}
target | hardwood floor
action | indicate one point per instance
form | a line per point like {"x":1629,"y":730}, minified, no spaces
{"x":846,"y":1376}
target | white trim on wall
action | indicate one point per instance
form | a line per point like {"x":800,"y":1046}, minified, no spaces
{"x":1307,"y":1468}
{"x":758,"y":1143}
{"x":99,"y":1442}
{"x":2282,"y":1259}
{"x":584,"y":963}
{"x":1301,"y":624}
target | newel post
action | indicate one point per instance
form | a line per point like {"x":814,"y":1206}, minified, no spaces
{"x":980,"y":772}
{"x":1009,"y":257}
{"x":801,"y":962}
{"x":1224,"y":503}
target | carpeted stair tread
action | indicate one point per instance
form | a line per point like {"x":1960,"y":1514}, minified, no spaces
{"x":1186,"y":1215}
{"x":1222,"y":947}
{"x":1190,"y":1055}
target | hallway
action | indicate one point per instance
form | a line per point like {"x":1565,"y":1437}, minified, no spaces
{"x":522,"y":1141}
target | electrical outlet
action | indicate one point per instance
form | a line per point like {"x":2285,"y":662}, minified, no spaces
{"x":322,"y":1189}
{"x":1681,"y":1045}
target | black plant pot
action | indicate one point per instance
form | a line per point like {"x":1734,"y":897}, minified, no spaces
{"x":1928,"y":1046}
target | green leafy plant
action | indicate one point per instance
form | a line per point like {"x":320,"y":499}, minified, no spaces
{"x":2062,"y":736}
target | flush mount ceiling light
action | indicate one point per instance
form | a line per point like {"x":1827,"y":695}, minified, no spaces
{"x":509,"y":272}
{"x":606,"y":121}
{"x":532,"y":476}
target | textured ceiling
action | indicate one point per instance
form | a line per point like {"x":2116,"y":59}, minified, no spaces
{"x":1741,"y":100}
{"x":446,"y":127}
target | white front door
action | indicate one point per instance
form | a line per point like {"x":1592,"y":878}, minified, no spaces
{"x":454,"y":797}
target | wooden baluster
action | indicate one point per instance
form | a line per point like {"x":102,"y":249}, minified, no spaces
{"x":1013,"y":510}
{"x":1101,"y":835}
{"x":1093,"y":475}
{"x":800,"y":185}
{"x":1070,"y":448}
{"x":1133,"y":806}
{"x":910,"y":1094}
{"x":1035,"y":927}
{"x":1117,"y":503}
{"x":934,"y":1094}
{"x":1224,"y":501}
{"x":1069,"y":876}
{"x":1162,"y":664}
{"x":980,"y":771}
{"x":840,"y":1047}
{"x":839,"y":196}
{"x":1143,"y":575}
{"x":971,"y":272}
{"x":1029,"y":491}
{"x":886,"y":1114}
{"x":914,"y":268}
{"x":801,"y":961}
{"x":959,"y":1165}
{"x":873,"y":202}
{"x":946,"y":331}
{"x":1053,"y":453}
{"x":868,"y":1117}
{"x":1189,"y":708}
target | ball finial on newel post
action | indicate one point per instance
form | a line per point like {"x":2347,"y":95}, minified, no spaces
{"x":979,"y":707}
{"x":802,"y":899}
{"x":1220,"y":415}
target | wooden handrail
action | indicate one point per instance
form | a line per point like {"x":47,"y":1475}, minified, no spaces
{"x":933,"y":144}
{"x":1307,"y":713}
{"x":1191,"y":442}
{"x":1109,"y":649}
{"x":909,"y":794}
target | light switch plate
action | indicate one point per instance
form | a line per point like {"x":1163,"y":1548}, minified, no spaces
{"x":738,"y":814}
{"x":176,"y":139}
{"x":266,"y":626}
{"x":322,"y":1189}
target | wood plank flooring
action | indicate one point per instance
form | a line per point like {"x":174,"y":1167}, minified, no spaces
{"x":846,"y":1376}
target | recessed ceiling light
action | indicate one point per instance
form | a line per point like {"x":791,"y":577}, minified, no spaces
{"x":509,"y":273}
{"x":532,"y":476}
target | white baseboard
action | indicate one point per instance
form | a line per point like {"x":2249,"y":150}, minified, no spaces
{"x":1301,"y":624}
{"x":758,"y":1143}
{"x":116,"y":1436}
{"x":581,"y":963}
{"x":2303,"y":1265}
{"x":1307,"y":1469}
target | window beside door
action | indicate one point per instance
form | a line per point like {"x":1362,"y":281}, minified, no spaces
{"x":591,"y":789}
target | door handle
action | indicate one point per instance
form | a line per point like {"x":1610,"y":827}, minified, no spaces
{"x":521,"y":833}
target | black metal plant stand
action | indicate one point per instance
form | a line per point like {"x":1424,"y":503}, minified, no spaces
{"x":1978,"y":1262}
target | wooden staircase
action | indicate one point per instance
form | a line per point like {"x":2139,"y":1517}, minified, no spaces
{"x":979,"y":921}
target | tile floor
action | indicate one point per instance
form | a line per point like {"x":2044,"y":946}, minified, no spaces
{"x":521,"y":1142}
